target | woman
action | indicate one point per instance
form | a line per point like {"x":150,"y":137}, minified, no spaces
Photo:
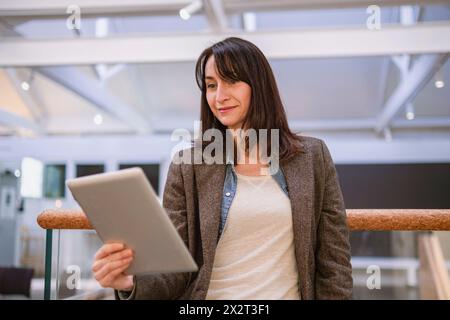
{"x":253,"y":235}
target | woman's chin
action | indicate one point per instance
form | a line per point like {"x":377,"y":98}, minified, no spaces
{"x":229,"y":124}
{"x":232,"y":124}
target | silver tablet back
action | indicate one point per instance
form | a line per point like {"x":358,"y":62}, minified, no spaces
{"x":123,"y":207}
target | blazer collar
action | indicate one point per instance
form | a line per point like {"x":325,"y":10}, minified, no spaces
{"x":298,"y":172}
{"x":209,"y":182}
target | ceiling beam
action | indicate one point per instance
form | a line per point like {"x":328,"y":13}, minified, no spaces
{"x":154,"y":148}
{"x":104,"y":71}
{"x":331,"y":124}
{"x":216,"y":15}
{"x":167,"y":124}
{"x":15,"y":121}
{"x":249,"y":21}
{"x":318,"y":43}
{"x":409,"y":15}
{"x":74,"y":125}
{"x":410,"y":85}
{"x":7,"y":29}
{"x":368,"y":124}
{"x":134,"y":73}
{"x":57,"y":8}
{"x":92,"y":91}
{"x":234,"y":6}
{"x":79,"y":84}
{"x":36,"y":110}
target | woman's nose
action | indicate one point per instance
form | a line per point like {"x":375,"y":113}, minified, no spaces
{"x":222,"y":94}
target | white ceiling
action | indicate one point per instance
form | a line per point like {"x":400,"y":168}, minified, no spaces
{"x":165,"y":94}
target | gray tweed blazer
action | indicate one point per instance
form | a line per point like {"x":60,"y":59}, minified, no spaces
{"x":193,"y":196}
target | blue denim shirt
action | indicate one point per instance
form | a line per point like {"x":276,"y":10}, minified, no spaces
{"x":229,"y":190}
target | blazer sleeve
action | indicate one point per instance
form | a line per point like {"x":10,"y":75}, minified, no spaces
{"x":166,"y":286}
{"x":333,"y":277}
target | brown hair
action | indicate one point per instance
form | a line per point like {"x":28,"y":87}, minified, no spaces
{"x":240,"y":60}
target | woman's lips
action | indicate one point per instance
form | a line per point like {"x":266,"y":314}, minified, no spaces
{"x":226,"y":109}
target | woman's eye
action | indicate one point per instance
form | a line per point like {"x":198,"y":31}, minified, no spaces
{"x":211,"y":86}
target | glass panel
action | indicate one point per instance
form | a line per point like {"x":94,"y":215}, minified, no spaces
{"x":390,"y":277}
{"x":75,"y":279}
{"x":386,"y":265}
{"x":22,"y":241}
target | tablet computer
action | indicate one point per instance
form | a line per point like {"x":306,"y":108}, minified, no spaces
{"x":123,"y":207}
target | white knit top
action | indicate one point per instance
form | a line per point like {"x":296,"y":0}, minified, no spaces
{"x":255,"y":256}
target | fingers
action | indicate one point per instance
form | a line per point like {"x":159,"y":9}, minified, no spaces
{"x":118,"y":255}
{"x":112,"y":276}
{"x":108,"y":249}
{"x":111,"y":267}
{"x":110,"y":261}
{"x":109,"y":273}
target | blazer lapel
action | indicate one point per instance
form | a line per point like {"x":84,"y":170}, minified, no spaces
{"x":299,"y":179}
{"x":299,"y":176}
{"x":209,"y":180}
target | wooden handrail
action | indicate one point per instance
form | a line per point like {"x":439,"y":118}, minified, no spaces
{"x":399,"y":219}
{"x":358,"y":219}
{"x":64,"y":219}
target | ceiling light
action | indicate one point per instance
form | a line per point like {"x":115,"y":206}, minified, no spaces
{"x":439,"y":80}
{"x":98,"y":119}
{"x":439,"y":84}
{"x":188,"y":11}
{"x":410,"y":115}
{"x":387,"y":135}
{"x":25,"y":86}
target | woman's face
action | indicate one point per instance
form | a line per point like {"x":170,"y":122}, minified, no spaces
{"x":229,"y":102}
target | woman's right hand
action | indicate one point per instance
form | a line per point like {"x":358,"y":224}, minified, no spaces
{"x":111,"y":260}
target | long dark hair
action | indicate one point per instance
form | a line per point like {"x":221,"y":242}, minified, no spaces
{"x":240,"y":60}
